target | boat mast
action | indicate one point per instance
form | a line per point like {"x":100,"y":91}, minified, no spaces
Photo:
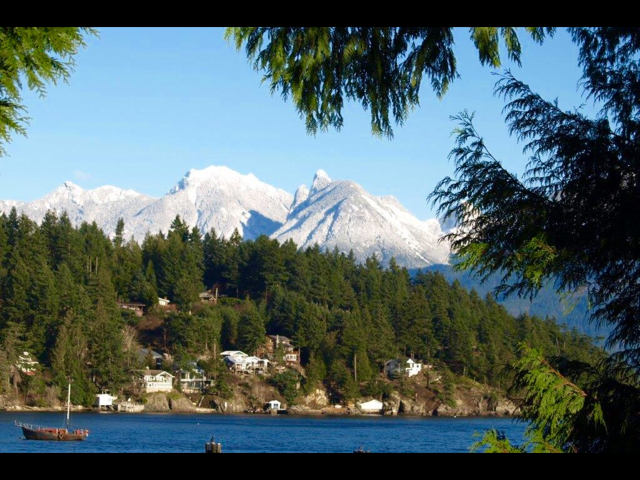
{"x":69,"y":406}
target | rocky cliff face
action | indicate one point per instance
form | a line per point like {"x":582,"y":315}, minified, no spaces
{"x":250,"y":395}
{"x":163,"y":403}
{"x":467,"y":400}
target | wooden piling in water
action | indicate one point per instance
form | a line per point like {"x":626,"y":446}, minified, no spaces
{"x":212,"y":447}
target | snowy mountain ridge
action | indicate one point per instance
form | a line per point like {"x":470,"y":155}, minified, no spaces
{"x":331,"y":213}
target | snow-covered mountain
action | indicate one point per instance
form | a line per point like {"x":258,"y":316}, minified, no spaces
{"x":331,"y":213}
{"x":342,"y":214}
{"x":104,"y":205}
{"x":220,"y":198}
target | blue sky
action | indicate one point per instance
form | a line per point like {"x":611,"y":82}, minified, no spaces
{"x":146,"y":105}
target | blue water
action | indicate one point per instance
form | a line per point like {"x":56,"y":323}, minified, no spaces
{"x":189,"y":433}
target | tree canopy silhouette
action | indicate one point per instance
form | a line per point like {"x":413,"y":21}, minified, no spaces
{"x":380,"y":67}
{"x":35,"y":56}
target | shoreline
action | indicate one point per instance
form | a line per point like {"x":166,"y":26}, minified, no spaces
{"x":212,"y":412}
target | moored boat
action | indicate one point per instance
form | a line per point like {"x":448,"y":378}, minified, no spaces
{"x":32,"y":432}
{"x":65,"y":434}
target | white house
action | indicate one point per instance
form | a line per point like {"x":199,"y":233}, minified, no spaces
{"x":412,"y":368}
{"x":274,"y":405}
{"x":236,"y":364}
{"x":372,"y":407}
{"x":27,"y":364}
{"x":193,"y":380}
{"x":257,"y":365}
{"x":155,"y":381}
{"x":398,"y":368}
{"x":240,"y":362}
{"x":163,"y":302}
{"x":104,"y":400}
{"x":233,"y":353}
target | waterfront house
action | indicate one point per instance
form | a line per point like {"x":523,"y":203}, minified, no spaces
{"x":371,"y":407}
{"x":192,"y":380}
{"x":273,"y":405}
{"x":397,"y":368}
{"x":154,"y":381}
{"x":104,"y":400}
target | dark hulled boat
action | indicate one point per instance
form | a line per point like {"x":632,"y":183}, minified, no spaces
{"x":65,"y":434}
{"x":32,"y":432}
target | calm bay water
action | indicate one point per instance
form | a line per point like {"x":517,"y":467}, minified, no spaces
{"x":189,"y":433}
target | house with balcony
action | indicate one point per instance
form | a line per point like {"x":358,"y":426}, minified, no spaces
{"x":241,"y":363}
{"x":192,"y":380}
{"x":154,"y":381}
{"x":273,"y":343}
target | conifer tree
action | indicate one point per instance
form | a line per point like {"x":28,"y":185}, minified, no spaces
{"x":33,"y":57}
{"x":106,"y":350}
{"x":382,"y":68}
{"x":251,"y":329}
{"x":69,"y":360}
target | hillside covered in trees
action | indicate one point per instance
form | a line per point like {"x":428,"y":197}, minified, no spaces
{"x":59,"y":288}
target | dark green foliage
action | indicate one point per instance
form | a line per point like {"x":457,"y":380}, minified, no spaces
{"x":574,"y":406}
{"x":61,"y":286}
{"x":568,"y":219}
{"x":251,"y":329}
{"x":35,"y":56}
{"x":380,"y":67}
{"x":566,"y":222}
{"x":287,"y":384}
{"x":200,"y":332}
{"x":69,"y":361}
{"x":348,"y":319}
{"x":107,"y":353}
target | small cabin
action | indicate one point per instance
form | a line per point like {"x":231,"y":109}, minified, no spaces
{"x":104,"y":400}
{"x":273,"y":405}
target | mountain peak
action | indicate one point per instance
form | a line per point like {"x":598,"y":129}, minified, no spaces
{"x":301,"y":196}
{"x":347,"y":217}
{"x":320,"y":181}
{"x":344,"y":215}
{"x":69,"y":185}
